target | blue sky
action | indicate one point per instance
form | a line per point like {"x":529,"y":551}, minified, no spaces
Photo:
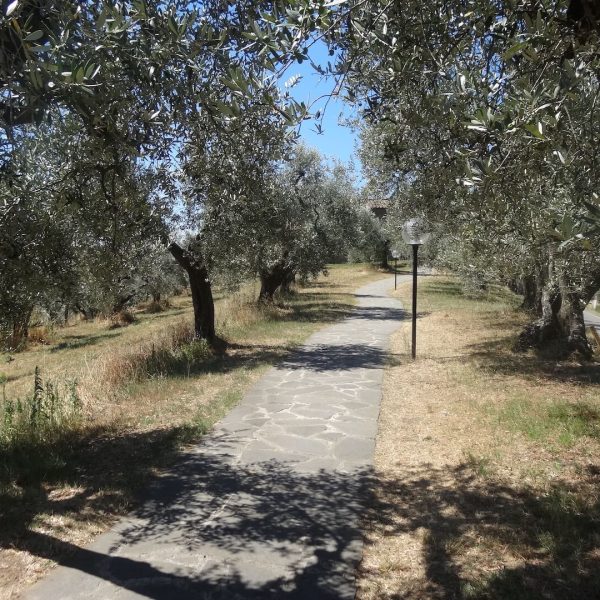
{"x":336,"y":140}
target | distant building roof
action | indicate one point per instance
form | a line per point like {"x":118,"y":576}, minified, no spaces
{"x":383,"y":203}
{"x":378,"y":207}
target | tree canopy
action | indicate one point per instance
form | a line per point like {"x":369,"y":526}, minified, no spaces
{"x":482,"y":116}
{"x":131,"y":126}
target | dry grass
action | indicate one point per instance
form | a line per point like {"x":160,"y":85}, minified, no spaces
{"x":41,"y":334}
{"x":487,"y":462}
{"x":140,"y":362}
{"x":123,"y":318}
{"x":146,"y":391}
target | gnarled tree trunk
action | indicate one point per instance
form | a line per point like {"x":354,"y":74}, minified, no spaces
{"x":20,"y":327}
{"x":561,"y":319}
{"x":288,"y":280}
{"x":385,"y":250}
{"x":270,"y":280}
{"x":531,"y":288}
{"x":570,"y":318}
{"x":121,"y":303}
{"x":546,"y":328}
{"x":202,"y":298}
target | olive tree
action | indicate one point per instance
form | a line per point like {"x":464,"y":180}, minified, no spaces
{"x":484,"y":118}
{"x":137,"y":80}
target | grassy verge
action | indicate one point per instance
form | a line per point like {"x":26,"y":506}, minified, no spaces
{"x":488,"y":462}
{"x":143,"y":392}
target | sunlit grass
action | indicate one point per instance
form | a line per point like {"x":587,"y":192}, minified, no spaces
{"x":487,"y":460}
{"x":146,"y":389}
{"x":552,"y":423}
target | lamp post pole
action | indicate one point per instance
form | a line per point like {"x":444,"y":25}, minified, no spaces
{"x":415,"y":248}
{"x":395,"y":272}
{"x":414,"y":233}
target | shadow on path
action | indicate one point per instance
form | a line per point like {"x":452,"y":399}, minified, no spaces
{"x":336,"y":358}
{"x":271,"y":520}
{"x":305,"y":521}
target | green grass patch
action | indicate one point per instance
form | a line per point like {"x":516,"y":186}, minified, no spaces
{"x":449,"y":294}
{"x":562,"y":423}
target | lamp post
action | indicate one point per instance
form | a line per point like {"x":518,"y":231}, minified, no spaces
{"x":414,"y":233}
{"x":395,"y":257}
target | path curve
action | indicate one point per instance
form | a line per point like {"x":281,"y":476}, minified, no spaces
{"x":268,"y":505}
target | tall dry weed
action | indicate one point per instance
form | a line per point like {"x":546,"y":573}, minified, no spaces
{"x":241,"y":311}
{"x":173,"y":350}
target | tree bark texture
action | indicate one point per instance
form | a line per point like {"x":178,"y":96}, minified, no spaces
{"x":202,"y":298}
{"x":561,"y":319}
{"x":530,"y":287}
{"x":270,"y":280}
{"x":279,"y":275}
{"x":288,"y":280}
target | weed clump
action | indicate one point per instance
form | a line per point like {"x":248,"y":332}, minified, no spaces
{"x":176,"y":352}
{"x":157,"y":306}
{"x":50,"y":408}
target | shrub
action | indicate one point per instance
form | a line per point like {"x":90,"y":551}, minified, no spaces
{"x":121,"y":319}
{"x":157,"y":306}
{"x":175,"y":352}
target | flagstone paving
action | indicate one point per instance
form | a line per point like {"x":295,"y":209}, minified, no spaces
{"x":268,"y":505}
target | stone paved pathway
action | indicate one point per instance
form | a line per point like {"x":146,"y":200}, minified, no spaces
{"x":268,"y":505}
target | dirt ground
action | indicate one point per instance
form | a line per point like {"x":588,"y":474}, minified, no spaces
{"x":487,"y":462}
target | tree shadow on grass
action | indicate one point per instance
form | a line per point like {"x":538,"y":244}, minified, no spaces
{"x":487,"y":540}
{"x":455,"y":290}
{"x":169,"y":312}
{"x":75,"y":342}
{"x":496,"y":356}
{"x":95,"y":458}
{"x":444,"y":288}
{"x":216,"y":528}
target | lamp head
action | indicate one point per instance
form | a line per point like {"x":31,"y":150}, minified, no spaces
{"x":414,"y":232}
